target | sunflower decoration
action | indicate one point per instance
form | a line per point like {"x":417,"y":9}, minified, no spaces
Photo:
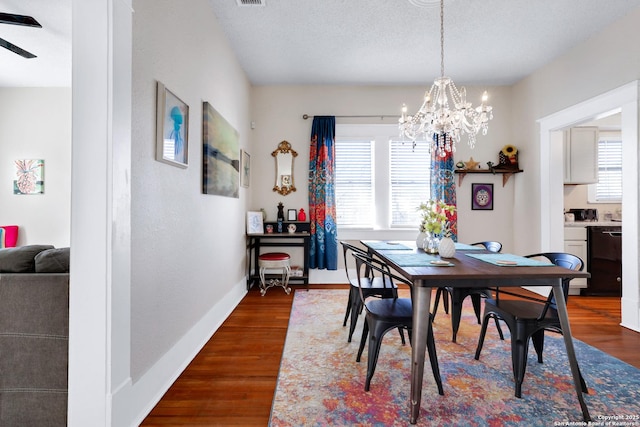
{"x":508,"y":156}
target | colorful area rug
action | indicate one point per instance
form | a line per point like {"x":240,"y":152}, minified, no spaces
{"x":321,"y":384}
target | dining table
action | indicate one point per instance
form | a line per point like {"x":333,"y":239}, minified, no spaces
{"x":469,"y":268}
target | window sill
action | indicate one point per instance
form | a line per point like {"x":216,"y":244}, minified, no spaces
{"x":371,"y":234}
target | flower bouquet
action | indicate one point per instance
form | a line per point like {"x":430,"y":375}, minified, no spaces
{"x":436,"y":217}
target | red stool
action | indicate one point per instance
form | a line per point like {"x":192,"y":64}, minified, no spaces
{"x":273,"y":260}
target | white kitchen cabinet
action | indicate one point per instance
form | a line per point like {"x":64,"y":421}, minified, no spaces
{"x":581,"y":155}
{"x":575,"y":242}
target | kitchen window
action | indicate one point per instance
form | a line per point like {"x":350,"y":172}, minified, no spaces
{"x":380,"y":179}
{"x":609,"y":186}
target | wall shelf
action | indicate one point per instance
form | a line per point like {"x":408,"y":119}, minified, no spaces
{"x":506,"y":173}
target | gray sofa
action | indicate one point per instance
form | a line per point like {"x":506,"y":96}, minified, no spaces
{"x":34,"y":335}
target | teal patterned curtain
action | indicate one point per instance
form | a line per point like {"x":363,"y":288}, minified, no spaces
{"x":443,"y":184}
{"x":323,"y":253}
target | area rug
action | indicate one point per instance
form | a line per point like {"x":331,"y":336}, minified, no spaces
{"x":321,"y":384}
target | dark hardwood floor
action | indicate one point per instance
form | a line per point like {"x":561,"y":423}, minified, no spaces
{"x":232,"y":380}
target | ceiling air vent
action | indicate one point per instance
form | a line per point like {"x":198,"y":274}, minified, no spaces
{"x":251,"y":2}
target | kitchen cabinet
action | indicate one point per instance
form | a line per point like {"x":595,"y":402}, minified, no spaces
{"x":581,"y":155}
{"x":575,"y":242}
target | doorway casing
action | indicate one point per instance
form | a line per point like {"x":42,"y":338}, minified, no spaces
{"x":624,"y":98}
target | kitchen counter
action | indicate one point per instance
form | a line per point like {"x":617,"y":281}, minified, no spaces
{"x":593,"y":224}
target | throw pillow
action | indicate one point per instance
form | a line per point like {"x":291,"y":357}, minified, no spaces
{"x":10,"y":236}
{"x":53,"y":261}
{"x":1,"y":237}
{"x":20,"y":259}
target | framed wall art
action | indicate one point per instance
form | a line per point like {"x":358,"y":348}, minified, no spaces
{"x":220,"y":155}
{"x":292,"y":215}
{"x":254,"y":223}
{"x":29,"y":177}
{"x":245,"y":168}
{"x":172,"y":128}
{"x":482,"y":197}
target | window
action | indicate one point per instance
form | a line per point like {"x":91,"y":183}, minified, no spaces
{"x":410,"y":173}
{"x":380,"y":180}
{"x":354,"y":182}
{"x":609,"y":186}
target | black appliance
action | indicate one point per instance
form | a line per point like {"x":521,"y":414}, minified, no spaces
{"x":604,"y":251}
{"x":584,"y":214}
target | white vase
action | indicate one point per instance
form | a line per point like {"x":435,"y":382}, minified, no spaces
{"x":447,"y":248}
{"x":420,"y":239}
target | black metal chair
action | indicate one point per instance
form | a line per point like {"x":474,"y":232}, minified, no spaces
{"x":459,"y":294}
{"x":383,"y":315}
{"x":528,"y":318}
{"x":371,"y":285}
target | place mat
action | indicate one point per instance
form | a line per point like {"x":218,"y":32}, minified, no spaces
{"x":417,"y":259}
{"x":381,"y":245}
{"x":509,"y":260}
{"x":465,"y":247}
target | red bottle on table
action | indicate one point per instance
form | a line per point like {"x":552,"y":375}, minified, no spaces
{"x":301,"y":215}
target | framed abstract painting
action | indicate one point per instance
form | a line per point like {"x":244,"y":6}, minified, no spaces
{"x":220,"y":155}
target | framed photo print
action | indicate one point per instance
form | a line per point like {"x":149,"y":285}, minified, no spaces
{"x":482,"y":197}
{"x":245,"y":168}
{"x":254,"y":223}
{"x":292,"y":215}
{"x":172,"y":128}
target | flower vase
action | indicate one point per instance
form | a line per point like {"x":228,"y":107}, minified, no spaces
{"x":431,"y":243}
{"x":447,"y":247}
{"x":420,"y":239}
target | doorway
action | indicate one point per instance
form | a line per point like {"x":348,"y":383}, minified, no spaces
{"x":551,"y":176}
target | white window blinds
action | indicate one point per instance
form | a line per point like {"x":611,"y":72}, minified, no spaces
{"x":354,"y":183}
{"x":609,"y":186}
{"x":410,"y":171}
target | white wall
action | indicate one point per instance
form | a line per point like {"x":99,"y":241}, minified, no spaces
{"x":578,"y":81}
{"x":277,"y":113}
{"x":35,"y":123}
{"x":162,"y":264}
{"x":187,"y":248}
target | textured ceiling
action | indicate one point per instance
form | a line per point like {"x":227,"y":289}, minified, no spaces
{"x":392,"y":42}
{"x":386,"y":42}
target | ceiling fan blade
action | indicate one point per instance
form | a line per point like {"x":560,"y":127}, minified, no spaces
{"x":10,"y":18}
{"x":13,"y":48}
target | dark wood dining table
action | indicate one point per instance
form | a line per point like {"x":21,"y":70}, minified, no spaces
{"x":467,"y":272}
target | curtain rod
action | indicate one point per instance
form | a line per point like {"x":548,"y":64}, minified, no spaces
{"x":382,"y":116}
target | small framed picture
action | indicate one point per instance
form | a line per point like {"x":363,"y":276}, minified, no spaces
{"x":482,"y":197}
{"x":254,"y":223}
{"x":245,"y":168}
{"x":172,"y":126}
{"x":292,"y":215}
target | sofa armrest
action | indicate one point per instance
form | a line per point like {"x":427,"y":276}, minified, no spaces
{"x":34,"y":338}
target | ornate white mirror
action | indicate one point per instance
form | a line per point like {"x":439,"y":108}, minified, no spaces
{"x":284,"y":156}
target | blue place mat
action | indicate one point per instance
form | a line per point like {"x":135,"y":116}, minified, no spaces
{"x":465,"y":247}
{"x":387,"y":246}
{"x":513,"y":260}
{"x":416,"y":259}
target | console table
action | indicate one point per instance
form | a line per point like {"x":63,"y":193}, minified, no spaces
{"x":255,"y":242}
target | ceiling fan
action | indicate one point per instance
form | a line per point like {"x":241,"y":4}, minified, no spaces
{"x":10,"y":18}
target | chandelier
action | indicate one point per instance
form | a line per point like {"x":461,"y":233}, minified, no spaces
{"x":435,"y":117}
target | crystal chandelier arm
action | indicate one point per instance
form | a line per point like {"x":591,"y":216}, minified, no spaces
{"x":436,"y":118}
